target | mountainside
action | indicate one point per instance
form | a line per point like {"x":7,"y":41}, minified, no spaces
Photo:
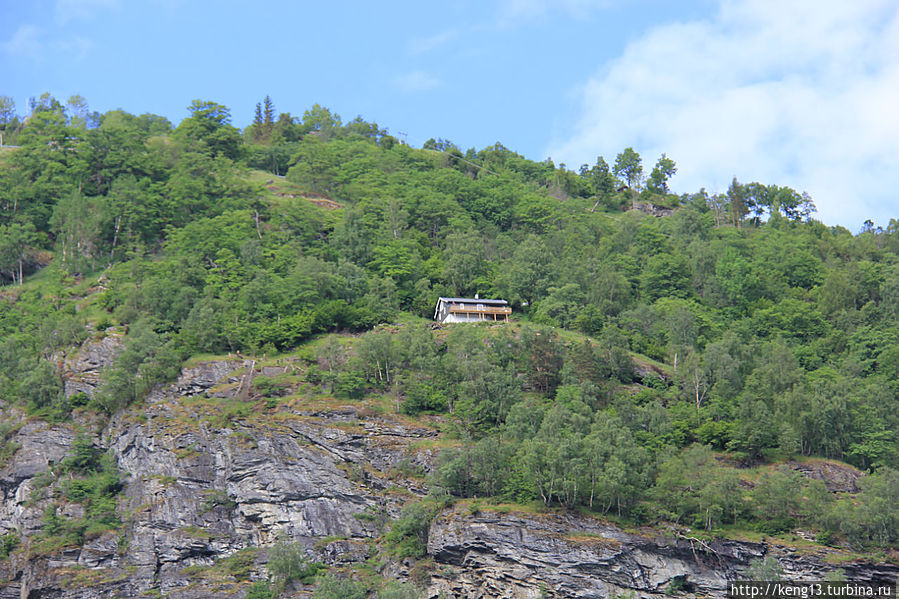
{"x":219,"y":372}
{"x":205,"y":499}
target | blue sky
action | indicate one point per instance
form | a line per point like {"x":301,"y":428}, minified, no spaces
{"x":801,"y":93}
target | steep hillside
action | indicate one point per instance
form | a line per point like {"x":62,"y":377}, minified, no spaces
{"x":219,"y":373}
{"x":214,"y":476}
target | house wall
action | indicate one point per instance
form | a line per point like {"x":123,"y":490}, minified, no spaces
{"x":461,"y":318}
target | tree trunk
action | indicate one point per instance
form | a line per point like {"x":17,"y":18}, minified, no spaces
{"x":592,"y":487}
{"x":115,"y":238}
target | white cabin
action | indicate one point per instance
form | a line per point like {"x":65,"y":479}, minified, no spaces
{"x":462,"y":309}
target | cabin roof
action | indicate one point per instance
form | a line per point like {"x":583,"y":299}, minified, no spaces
{"x":471,"y":300}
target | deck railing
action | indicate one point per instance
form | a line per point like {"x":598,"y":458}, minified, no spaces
{"x":470,"y":309}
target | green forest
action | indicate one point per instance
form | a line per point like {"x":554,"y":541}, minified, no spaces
{"x":668,"y":354}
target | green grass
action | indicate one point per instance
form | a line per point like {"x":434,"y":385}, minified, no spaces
{"x":196,"y":532}
{"x":280,"y":192}
{"x":238,"y":567}
{"x":52,"y":280}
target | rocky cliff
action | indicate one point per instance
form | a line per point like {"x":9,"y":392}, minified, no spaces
{"x":518,"y":555}
{"x":211,"y":476}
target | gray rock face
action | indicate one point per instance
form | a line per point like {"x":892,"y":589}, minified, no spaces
{"x":198,"y":490}
{"x":41,"y":445}
{"x":520,"y":556}
{"x":84,"y":369}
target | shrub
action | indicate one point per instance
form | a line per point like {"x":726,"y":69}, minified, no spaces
{"x":217,"y":498}
{"x":261,"y":589}
{"x":331,"y":587}
{"x":398,"y":590}
{"x":8,"y":544}
{"x":767,"y":569}
{"x":677,"y":585}
{"x":240,"y":564}
{"x":84,"y":457}
{"x":350,"y":385}
{"x":78,"y":400}
{"x":408,"y":536}
{"x":287,"y":562}
{"x":8,"y":447}
{"x":269,"y":387}
{"x":424,"y":398}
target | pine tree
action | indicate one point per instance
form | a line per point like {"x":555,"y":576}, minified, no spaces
{"x":257,"y":120}
{"x":256,"y":127}
{"x":269,"y":112}
{"x":268,"y":123}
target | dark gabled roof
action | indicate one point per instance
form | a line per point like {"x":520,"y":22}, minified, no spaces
{"x":471,"y":300}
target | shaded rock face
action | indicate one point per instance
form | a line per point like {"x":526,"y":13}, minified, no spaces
{"x":85,"y":368}
{"x":518,"y":556}
{"x":199,"y":488}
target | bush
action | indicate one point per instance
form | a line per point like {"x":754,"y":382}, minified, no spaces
{"x":871,"y":519}
{"x":148,"y":358}
{"x":84,"y":457}
{"x":218,"y":498}
{"x":677,"y":585}
{"x":261,"y":589}
{"x":331,"y":587}
{"x":8,"y":544}
{"x":287,"y":562}
{"x":78,"y":400}
{"x":314,"y":375}
{"x":240,"y":564}
{"x":408,"y":536}
{"x":767,"y":569}
{"x":268,"y":387}
{"x":42,"y":386}
{"x":350,"y":385}
{"x":8,"y":447}
{"x":229,"y":411}
{"x":825,"y":537}
{"x":398,"y":590}
{"x":424,"y":398}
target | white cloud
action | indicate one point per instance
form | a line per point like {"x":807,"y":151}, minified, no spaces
{"x":801,"y":93}
{"x":24,"y":43}
{"x":426,"y":44}
{"x":69,"y":10}
{"x":416,"y":81}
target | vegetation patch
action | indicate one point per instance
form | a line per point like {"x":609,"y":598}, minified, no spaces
{"x":90,"y":478}
{"x":217,"y":499}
